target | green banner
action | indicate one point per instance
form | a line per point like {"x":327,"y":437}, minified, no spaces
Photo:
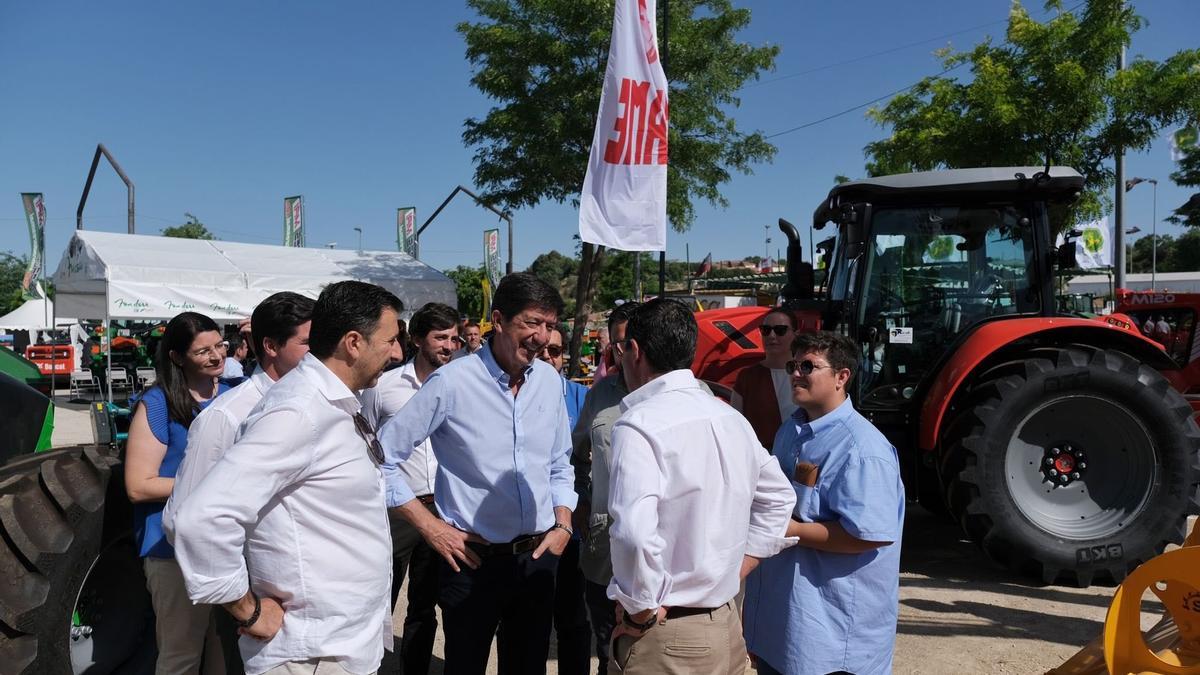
{"x":406,"y":238}
{"x":293,"y":221}
{"x":35,"y":218}
{"x":491,"y":256}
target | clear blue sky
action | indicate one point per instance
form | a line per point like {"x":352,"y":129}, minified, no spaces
{"x":221,"y":109}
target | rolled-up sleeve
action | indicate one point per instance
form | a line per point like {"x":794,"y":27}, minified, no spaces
{"x":640,"y":579}
{"x":273,"y":452}
{"x":770,"y":510}
{"x":408,"y":428}
{"x":562,"y":474}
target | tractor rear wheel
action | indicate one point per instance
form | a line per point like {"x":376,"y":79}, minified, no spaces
{"x":1078,"y":469}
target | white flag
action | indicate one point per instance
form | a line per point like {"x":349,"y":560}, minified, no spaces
{"x":1181,"y":141}
{"x":623,"y":204}
{"x":1093,"y":248}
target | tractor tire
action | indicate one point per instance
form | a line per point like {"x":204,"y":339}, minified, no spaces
{"x":52,"y":518}
{"x":1076,"y":470}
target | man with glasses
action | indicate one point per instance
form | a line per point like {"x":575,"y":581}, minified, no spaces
{"x":829,"y":605}
{"x":291,"y":518}
{"x":500,"y":434}
{"x":434,"y":330}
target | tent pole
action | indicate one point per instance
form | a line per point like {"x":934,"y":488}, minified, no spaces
{"x":105,"y":336}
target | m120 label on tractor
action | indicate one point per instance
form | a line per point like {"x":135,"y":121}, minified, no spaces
{"x":1150,"y":298}
{"x":1093,"y":554}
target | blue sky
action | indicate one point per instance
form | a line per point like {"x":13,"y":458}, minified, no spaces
{"x":221,"y":109}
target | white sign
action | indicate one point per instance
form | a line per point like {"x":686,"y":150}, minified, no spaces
{"x":623,"y":204}
{"x":900,"y":336}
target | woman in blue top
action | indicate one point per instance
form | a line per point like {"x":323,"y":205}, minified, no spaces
{"x":190,"y":358}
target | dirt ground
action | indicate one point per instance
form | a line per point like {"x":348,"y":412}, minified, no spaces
{"x":961,"y":614}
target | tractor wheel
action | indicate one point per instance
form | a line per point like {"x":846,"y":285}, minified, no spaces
{"x":1076,"y":470}
{"x":64,"y":569}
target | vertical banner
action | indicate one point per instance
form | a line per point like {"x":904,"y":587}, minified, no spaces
{"x":485,"y":322}
{"x":35,"y":218}
{"x":623,"y":204}
{"x":491,"y":256}
{"x":406,"y":238}
{"x":293,"y":221}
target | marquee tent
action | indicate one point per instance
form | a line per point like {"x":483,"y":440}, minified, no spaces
{"x":108,"y":275}
{"x":36,"y":314}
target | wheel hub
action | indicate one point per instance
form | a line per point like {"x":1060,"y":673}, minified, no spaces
{"x":1063,"y":464}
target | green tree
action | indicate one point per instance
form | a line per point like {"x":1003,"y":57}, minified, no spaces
{"x":192,"y":229}
{"x":12,"y":272}
{"x":543,"y":61}
{"x":1188,"y":175}
{"x":553,"y":267}
{"x":1050,"y":93}
{"x":468,"y":283}
{"x":1185,"y":256}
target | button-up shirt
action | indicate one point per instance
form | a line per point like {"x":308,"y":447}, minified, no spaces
{"x":294,"y":510}
{"x":691,"y":492}
{"x":393,"y":392}
{"x":212,"y":432}
{"x":503,"y":459}
{"x":811,"y":612}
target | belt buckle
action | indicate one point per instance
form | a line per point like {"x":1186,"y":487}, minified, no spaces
{"x":527,"y":544}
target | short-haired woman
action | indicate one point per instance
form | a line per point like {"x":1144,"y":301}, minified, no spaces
{"x":189,"y":362}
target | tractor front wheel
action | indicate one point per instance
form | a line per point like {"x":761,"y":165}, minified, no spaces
{"x":1076,"y":470}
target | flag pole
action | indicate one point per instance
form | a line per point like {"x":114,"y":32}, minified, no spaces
{"x":662,"y":255}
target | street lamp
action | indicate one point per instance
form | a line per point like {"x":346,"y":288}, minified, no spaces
{"x":1129,"y":185}
{"x":359,"y":231}
{"x":1133,"y":230}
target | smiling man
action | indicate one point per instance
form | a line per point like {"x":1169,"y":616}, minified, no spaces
{"x":829,"y":604}
{"x":498,"y":427}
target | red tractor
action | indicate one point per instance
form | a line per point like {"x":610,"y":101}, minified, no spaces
{"x":1054,"y":440}
{"x":1170,"y":320}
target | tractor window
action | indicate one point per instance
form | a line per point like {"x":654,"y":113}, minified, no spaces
{"x":931,"y":273}
{"x":1171,"y":327}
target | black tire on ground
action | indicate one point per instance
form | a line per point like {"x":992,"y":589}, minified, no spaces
{"x":1130,"y":454}
{"x":51,"y":518}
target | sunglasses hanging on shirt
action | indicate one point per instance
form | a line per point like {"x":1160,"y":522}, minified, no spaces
{"x":373,"y":445}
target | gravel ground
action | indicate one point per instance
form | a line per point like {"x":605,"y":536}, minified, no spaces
{"x":959,"y":613}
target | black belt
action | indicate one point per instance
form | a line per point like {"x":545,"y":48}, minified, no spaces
{"x":680,"y":612}
{"x":427,"y":500}
{"x":522,"y":544}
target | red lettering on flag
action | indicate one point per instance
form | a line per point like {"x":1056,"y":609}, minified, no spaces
{"x":639,"y":127}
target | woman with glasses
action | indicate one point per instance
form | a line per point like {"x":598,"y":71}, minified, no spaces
{"x":763,"y":392}
{"x":189,"y":362}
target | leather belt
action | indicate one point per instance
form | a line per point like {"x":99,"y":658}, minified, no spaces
{"x":427,"y":500}
{"x":680,"y":612}
{"x":522,"y":544}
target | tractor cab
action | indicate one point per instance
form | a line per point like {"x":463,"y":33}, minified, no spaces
{"x":919,"y":260}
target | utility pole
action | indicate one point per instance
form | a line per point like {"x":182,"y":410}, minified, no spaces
{"x":662,"y":255}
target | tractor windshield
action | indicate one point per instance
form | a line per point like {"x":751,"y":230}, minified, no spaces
{"x":930,"y":274}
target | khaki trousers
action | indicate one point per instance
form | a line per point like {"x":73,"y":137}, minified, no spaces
{"x":702,"y":643}
{"x":185,"y":633}
{"x":310,"y":667}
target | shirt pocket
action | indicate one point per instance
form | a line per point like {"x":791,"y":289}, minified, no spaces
{"x":808,"y":502}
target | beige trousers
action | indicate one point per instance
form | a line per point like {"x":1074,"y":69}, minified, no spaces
{"x":703,"y":643}
{"x":186,"y":633}
{"x":310,"y":667}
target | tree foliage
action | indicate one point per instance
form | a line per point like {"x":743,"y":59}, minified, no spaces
{"x":1188,"y":175}
{"x":12,"y":272}
{"x":468,"y":283}
{"x":192,"y":229}
{"x":1050,"y":93}
{"x":1175,"y":254}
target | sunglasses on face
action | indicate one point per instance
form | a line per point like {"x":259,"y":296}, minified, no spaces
{"x":553,"y":351}
{"x":779,"y":329}
{"x":804,"y":367}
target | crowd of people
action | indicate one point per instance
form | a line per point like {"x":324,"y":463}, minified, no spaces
{"x":641,"y":520}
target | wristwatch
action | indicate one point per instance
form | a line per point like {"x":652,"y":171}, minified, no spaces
{"x":643,"y":627}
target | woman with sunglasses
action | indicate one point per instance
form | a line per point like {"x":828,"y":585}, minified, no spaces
{"x":188,"y":363}
{"x":763,"y":392}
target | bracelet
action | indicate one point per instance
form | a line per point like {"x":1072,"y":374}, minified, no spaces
{"x":253,"y":617}
{"x":627,"y":619}
{"x":560,"y":526}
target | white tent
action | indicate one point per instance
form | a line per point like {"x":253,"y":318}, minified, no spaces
{"x":107,"y":275}
{"x":36,"y":314}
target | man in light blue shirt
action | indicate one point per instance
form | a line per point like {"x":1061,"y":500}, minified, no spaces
{"x":504,"y":486}
{"x":829,"y":604}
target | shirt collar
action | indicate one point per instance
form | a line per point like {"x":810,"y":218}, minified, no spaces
{"x":261,"y":381}
{"x":825,"y":421}
{"x":672,"y":381}
{"x":494,"y":370}
{"x":408,"y":372}
{"x":330,"y":385}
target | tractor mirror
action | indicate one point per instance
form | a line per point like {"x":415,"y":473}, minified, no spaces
{"x":854,"y":224}
{"x":1065,"y":256}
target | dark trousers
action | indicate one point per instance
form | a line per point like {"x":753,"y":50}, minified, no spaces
{"x":413,"y":558}
{"x":570,"y":615}
{"x":603,"y":613}
{"x":512,"y":593}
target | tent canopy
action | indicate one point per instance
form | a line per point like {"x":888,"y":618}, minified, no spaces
{"x":129,"y":276}
{"x":35,"y":314}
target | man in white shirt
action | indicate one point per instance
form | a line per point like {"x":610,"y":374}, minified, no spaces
{"x":695,"y":503}
{"x":433,"y":329}
{"x":291,"y":519}
{"x":237,"y":351}
{"x":280,"y":328}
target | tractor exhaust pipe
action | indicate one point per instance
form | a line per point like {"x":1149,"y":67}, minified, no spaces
{"x":799,"y":285}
